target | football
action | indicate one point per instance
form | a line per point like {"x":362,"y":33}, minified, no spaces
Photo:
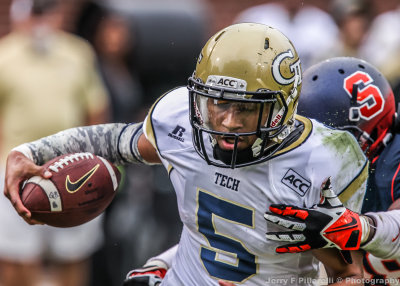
{"x":81,"y":187}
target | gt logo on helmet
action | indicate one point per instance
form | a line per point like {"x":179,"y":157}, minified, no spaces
{"x":295,"y":68}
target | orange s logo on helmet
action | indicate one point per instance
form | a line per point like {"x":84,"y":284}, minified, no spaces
{"x":370,"y":99}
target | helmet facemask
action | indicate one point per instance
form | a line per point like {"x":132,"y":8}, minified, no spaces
{"x":232,"y":127}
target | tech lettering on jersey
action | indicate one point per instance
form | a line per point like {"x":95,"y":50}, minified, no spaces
{"x":296,"y":182}
{"x":226,"y":181}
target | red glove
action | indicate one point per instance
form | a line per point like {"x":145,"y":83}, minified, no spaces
{"x":328,"y":224}
{"x":150,"y":275}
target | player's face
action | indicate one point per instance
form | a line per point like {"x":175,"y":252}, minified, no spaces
{"x":235,"y":117}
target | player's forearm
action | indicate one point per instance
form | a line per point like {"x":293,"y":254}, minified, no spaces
{"x":385,"y":241}
{"x":112,"y":141}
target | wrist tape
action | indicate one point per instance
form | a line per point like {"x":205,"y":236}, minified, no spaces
{"x":365,"y":229}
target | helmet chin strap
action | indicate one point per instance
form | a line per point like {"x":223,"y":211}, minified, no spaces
{"x":250,"y":154}
{"x":257,"y":146}
{"x":242,"y":156}
{"x":285,"y":132}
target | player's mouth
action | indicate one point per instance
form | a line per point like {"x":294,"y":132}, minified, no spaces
{"x":228,"y":143}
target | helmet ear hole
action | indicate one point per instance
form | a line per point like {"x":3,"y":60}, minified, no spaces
{"x":266,"y":43}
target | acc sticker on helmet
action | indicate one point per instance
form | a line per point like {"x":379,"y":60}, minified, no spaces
{"x":226,"y":81}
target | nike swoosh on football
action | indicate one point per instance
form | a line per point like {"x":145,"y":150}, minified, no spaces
{"x":73,"y":187}
{"x":343,"y":227}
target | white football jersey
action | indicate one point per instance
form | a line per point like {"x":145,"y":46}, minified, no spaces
{"x":222,"y":209}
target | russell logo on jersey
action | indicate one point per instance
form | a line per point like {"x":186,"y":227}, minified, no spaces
{"x":177,"y":133}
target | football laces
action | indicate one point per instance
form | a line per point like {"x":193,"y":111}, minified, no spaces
{"x":69,"y":159}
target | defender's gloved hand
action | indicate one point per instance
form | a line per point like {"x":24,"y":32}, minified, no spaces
{"x":150,"y":275}
{"x":328,"y":224}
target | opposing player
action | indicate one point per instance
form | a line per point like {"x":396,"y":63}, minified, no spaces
{"x":351,"y":94}
{"x":232,"y":145}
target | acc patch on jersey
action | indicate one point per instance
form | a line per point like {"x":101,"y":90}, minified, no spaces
{"x":296,"y":182}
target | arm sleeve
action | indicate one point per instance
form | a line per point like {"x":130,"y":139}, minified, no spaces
{"x":116,"y":142}
{"x":385,"y":243}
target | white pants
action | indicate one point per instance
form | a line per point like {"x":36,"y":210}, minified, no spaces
{"x":21,"y":242}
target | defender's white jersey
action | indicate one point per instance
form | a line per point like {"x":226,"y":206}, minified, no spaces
{"x":222,"y":209}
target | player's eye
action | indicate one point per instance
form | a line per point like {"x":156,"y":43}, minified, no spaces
{"x":221,"y":104}
{"x":236,"y":106}
{"x":247,"y":107}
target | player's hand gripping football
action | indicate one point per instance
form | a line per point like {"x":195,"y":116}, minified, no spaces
{"x":328,"y":224}
{"x":18,"y":169}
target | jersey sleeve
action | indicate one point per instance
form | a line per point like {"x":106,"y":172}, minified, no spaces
{"x":352,"y":164}
{"x":342,"y":160}
{"x":167,"y":124}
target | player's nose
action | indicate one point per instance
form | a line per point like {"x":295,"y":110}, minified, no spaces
{"x":231,"y":121}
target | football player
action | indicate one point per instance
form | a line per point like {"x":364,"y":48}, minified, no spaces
{"x":350,"y":94}
{"x":233,"y":146}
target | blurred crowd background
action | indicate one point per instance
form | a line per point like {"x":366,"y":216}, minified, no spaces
{"x":134,"y":51}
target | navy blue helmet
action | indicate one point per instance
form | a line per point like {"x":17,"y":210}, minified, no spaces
{"x":351,"y":94}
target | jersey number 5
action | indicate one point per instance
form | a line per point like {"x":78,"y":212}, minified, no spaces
{"x":242,"y":264}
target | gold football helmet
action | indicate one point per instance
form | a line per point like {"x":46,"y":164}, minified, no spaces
{"x":243,"y":95}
